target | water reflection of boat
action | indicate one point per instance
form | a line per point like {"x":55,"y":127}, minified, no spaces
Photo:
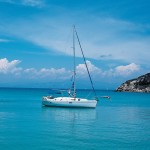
{"x":70,"y":115}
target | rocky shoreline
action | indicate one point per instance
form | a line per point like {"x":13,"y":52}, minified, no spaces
{"x":140,"y":84}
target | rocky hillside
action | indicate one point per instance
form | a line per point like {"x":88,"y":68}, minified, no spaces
{"x":140,"y":84}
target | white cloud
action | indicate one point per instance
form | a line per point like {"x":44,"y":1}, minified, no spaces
{"x":52,"y":70}
{"x":81,"y":68}
{"x":121,"y":71}
{"x":127,"y":70}
{"x":51,"y":74}
{"x":9,"y":67}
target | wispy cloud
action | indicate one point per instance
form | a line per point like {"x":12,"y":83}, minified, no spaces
{"x":7,"y":1}
{"x":102,"y":37}
{"x":116,"y":39}
{"x":32,"y":3}
{"x":4,"y":40}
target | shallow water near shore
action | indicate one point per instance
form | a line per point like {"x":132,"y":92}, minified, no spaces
{"x":123,"y":122}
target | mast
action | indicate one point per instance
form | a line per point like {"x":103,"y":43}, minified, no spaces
{"x":74,"y":63}
{"x":86,"y":64}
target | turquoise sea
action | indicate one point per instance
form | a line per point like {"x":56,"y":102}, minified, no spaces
{"x":120,"y":123}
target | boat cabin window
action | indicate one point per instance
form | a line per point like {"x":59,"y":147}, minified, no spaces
{"x":50,"y":97}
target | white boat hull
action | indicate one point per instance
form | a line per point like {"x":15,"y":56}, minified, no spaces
{"x":68,"y":102}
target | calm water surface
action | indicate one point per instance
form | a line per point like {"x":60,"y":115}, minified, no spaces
{"x":120,"y":123}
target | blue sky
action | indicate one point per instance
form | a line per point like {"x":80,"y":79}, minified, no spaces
{"x":36,"y":41}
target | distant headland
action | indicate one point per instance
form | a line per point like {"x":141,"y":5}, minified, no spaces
{"x":140,"y":84}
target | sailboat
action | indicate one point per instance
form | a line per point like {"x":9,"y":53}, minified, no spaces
{"x":72,"y":100}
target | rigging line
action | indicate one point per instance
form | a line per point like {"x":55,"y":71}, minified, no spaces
{"x":86,"y":64}
{"x":88,"y":94}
